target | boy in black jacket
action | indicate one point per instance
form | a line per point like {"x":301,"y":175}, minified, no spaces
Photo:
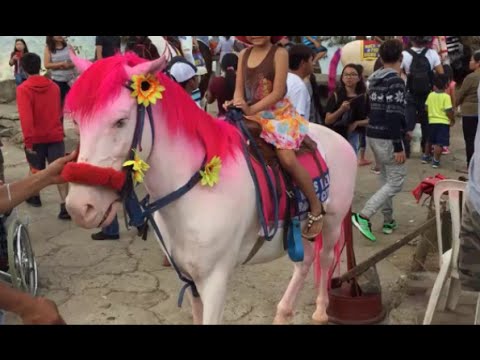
{"x":384,"y":135}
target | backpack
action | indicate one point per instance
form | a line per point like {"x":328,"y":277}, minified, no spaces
{"x":420,"y":78}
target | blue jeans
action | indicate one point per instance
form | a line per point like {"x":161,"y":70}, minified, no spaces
{"x":134,"y":212}
{"x":354,"y":140}
{"x":19,"y":78}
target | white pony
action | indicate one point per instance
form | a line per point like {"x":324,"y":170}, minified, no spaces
{"x":209,"y":231}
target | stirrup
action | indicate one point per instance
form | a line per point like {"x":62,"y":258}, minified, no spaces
{"x":311,"y":219}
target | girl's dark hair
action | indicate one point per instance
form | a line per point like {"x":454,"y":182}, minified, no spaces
{"x":229,"y":65}
{"x":359,"y":89}
{"x":175,"y":42}
{"x":143,"y":47}
{"x":227,"y":37}
{"x":131,"y":41}
{"x":316,"y":96}
{"x":144,"y":40}
{"x":51,"y":44}
{"x":25,"y":51}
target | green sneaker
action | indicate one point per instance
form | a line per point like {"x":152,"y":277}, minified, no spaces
{"x":364,"y":226}
{"x":389,"y":227}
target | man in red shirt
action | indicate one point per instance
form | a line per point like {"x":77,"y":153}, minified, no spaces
{"x":39,"y":109}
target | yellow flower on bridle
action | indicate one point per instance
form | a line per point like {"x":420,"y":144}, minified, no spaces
{"x":211,"y":174}
{"x":147,"y":89}
{"x":138,"y":167}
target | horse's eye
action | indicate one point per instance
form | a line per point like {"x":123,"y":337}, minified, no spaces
{"x":120,"y":123}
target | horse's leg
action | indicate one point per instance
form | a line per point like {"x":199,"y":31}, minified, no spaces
{"x":331,"y":233}
{"x":287,"y":303}
{"x":213,"y":291}
{"x":197,"y":308}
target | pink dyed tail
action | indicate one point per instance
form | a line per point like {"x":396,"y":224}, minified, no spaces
{"x":337,"y":252}
{"x":332,"y":71}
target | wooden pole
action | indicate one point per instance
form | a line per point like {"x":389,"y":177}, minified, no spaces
{"x":364,"y":266}
{"x":351,"y":262}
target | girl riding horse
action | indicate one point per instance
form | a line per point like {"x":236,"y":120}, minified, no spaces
{"x":260,"y":93}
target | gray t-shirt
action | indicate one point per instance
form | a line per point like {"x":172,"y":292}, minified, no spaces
{"x":474,"y":171}
{"x":61,"y":75}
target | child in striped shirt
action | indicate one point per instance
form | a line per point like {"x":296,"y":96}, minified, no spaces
{"x":314,"y":43}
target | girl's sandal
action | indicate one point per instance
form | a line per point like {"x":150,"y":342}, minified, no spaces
{"x":311,"y":219}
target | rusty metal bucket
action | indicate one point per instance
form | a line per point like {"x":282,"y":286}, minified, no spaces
{"x":346,"y":308}
{"x":359,"y":301}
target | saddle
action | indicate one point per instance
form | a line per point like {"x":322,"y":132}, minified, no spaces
{"x":274,"y":186}
{"x":292,"y":239}
{"x":268,"y":151}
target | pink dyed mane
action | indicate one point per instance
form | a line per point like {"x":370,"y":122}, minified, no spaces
{"x":332,"y":71}
{"x":102,"y":82}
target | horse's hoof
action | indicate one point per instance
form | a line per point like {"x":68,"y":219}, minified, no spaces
{"x":320,"y":319}
{"x":280,"y":320}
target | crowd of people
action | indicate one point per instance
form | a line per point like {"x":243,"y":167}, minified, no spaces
{"x":271,"y":79}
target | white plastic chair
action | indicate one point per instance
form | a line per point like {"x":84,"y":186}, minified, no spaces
{"x":446,"y":290}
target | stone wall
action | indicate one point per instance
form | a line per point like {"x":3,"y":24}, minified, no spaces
{"x":10,"y":124}
{"x":7,"y":91}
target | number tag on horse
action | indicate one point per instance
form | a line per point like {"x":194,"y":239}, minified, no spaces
{"x":321,"y":185}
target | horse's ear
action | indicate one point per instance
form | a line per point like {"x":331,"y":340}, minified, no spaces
{"x":80,"y":64}
{"x":148,"y":67}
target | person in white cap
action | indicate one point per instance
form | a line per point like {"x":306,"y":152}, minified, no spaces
{"x":187,"y":76}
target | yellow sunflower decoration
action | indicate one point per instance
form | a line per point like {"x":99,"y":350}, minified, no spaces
{"x":147,"y":89}
{"x":139,"y":168}
{"x":211,"y":174}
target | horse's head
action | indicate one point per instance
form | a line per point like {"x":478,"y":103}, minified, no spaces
{"x":102,"y":106}
{"x":107,"y":103}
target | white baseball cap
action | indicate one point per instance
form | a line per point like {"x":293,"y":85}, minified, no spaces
{"x":182,"y":71}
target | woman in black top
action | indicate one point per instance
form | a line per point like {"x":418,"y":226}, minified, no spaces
{"x":348,"y":108}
